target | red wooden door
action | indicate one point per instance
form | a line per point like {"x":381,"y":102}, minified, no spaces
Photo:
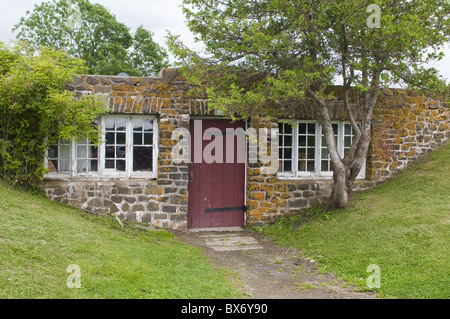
{"x":217,"y":182}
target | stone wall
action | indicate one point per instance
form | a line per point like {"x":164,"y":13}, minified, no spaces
{"x":405,"y":127}
{"x":138,"y":200}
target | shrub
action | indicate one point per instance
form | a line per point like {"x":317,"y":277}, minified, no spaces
{"x":36,"y":109}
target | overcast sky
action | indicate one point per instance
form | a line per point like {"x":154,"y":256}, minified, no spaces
{"x":157,"y":16}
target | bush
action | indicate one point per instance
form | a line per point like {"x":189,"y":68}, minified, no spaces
{"x":36,"y":110}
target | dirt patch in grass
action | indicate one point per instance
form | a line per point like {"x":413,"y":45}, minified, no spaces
{"x":272,"y":272}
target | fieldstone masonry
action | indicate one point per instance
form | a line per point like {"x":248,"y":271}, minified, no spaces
{"x":405,"y":127}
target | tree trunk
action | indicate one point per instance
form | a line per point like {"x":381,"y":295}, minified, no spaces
{"x":340,"y":193}
{"x":345,"y":170}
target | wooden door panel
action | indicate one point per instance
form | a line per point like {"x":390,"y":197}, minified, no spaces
{"x":216,"y":190}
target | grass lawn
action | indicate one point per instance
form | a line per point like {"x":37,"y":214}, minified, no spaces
{"x":39,"y":239}
{"x":403,"y":226}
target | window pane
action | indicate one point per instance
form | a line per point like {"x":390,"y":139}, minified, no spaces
{"x":142,"y":159}
{"x":287,"y":129}
{"x":109,"y":164}
{"x":287,"y":166}
{"x":53,"y":151}
{"x":93,"y":152}
{"x":82,"y":166}
{"x":311,"y":128}
{"x":310,"y":166}
{"x":110,"y":152}
{"x":302,"y":166}
{"x":302,"y":141}
{"x":59,"y":156}
{"x":120,"y":165}
{"x":302,"y":128}
{"x":53,"y":165}
{"x":64,"y":151}
{"x":148,"y":126}
{"x":120,"y":152}
{"x":94,"y":166}
{"x":121,"y":124}
{"x":286,"y":145}
{"x":302,"y":153}
{"x":348,"y":129}
{"x":137,"y":125}
{"x":148,"y":138}
{"x":110,"y":138}
{"x":324,"y":153}
{"x":87,"y":156}
{"x":110,"y":124}
{"x":64,"y":165}
{"x":324,"y":166}
{"x":137,"y":138}
{"x":121,"y":138}
{"x":287,"y":153}
{"x":287,"y":141}
{"x":311,"y":140}
{"x":82,"y":151}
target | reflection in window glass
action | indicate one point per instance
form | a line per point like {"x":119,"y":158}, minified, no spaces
{"x":142,"y":145}
{"x":115,"y":144}
{"x":348,"y":137}
{"x":87,"y":156}
{"x":306,"y":147}
{"x":285,"y":147}
{"x":59,"y":157}
{"x":326,"y":165}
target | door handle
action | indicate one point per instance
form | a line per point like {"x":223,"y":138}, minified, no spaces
{"x":191,"y":176}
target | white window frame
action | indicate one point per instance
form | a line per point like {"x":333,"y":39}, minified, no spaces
{"x":102,"y":172}
{"x":58,"y":174}
{"x":128,"y":173}
{"x":318,"y":173}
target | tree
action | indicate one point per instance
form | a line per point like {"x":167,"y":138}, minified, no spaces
{"x":148,"y":57}
{"x":90,"y":32}
{"x":36,"y":110}
{"x":269,"y":57}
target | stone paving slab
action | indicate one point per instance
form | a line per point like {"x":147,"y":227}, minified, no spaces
{"x":230,"y":242}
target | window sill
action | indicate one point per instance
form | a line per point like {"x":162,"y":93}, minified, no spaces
{"x":311,"y":177}
{"x":95,"y":178}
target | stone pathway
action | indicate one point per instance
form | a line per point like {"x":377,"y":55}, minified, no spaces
{"x":230,"y":242}
{"x":267,"y":271}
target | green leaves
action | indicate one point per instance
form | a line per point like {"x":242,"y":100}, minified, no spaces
{"x":36,"y":110}
{"x":278,"y":49}
{"x":261,"y":55}
{"x":147,"y":56}
{"x":90,"y":32}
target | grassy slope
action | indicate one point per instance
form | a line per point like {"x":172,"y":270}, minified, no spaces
{"x":39,"y":239}
{"x":402,"y":226}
